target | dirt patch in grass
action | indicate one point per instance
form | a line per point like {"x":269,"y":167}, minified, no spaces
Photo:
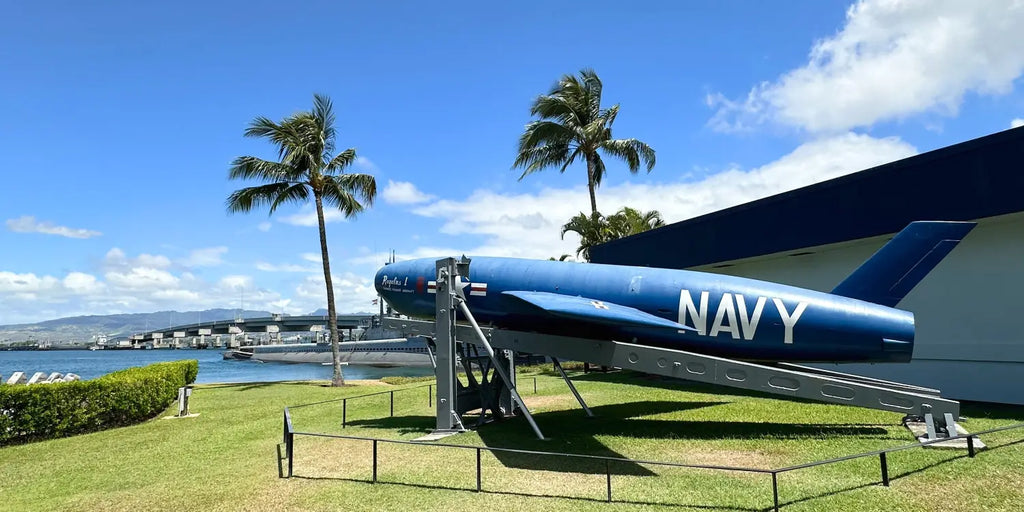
{"x":550,"y":402}
{"x":755,"y":459}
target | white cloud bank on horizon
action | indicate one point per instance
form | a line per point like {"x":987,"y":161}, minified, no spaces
{"x":29,"y":224}
{"x":527,"y":225}
{"x":892,"y":59}
{"x":404,"y":192}
{"x":147,"y":283}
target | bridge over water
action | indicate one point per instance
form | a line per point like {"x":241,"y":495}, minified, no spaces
{"x":196,"y":334}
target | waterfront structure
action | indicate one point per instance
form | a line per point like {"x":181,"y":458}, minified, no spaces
{"x":237,"y":330}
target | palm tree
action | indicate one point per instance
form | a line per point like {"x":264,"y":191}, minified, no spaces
{"x":573,"y":126}
{"x":597,"y":229}
{"x":305,"y":144}
{"x":630,"y":221}
{"x":593,"y":230}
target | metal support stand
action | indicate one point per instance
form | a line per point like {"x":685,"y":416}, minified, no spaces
{"x":448,"y":420}
{"x":572,"y":387}
{"x":498,"y":369}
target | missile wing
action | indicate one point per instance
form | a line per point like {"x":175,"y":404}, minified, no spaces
{"x":592,"y":310}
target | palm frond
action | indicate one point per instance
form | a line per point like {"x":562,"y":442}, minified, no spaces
{"x":536,"y":159}
{"x":323,"y":113}
{"x":599,"y":170}
{"x":545,"y":132}
{"x":283,"y":135}
{"x":244,"y":200}
{"x":632,"y":151}
{"x":345,"y":191}
{"x":342,"y":160}
{"x":298,"y":193}
{"x":250,"y":167}
{"x":563,"y":108}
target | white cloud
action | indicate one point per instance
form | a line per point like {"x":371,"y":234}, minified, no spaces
{"x":284,"y":267}
{"x":264,"y":226}
{"x":142,"y":278}
{"x":205,"y":257}
{"x":352,"y":292}
{"x":81,"y":283}
{"x":404,"y":192}
{"x":1017,"y":123}
{"x":307,"y":217}
{"x":528,"y":224}
{"x":29,"y":224}
{"x":366,"y":165}
{"x":116,"y":259}
{"x":311,"y":256}
{"x":892,"y":59}
{"x":236,"y":282}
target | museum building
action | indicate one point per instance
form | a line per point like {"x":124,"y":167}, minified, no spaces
{"x":969,"y":311}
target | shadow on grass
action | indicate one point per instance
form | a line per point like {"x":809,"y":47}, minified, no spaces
{"x":246,"y":386}
{"x":534,"y":495}
{"x":569,"y":431}
{"x":678,"y":384}
{"x":892,"y":478}
{"x":992,"y":411}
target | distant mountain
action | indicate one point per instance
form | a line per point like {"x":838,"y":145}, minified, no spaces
{"x":83,"y":328}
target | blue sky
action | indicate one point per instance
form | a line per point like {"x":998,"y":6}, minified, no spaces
{"x":120,"y":120}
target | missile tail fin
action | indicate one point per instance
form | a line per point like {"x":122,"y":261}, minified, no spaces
{"x":892,"y":272}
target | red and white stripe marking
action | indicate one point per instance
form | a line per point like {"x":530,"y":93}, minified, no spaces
{"x":431,"y":286}
{"x":479,"y":289}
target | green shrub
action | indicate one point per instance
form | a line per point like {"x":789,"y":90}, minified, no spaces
{"x":31,"y":413}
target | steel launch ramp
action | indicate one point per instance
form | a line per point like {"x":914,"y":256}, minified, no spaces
{"x":787,"y":380}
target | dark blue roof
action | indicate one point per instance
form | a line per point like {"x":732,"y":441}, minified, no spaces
{"x":979,"y":178}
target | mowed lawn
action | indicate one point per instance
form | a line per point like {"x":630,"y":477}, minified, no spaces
{"x":226,"y":458}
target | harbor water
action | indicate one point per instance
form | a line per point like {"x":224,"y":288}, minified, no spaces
{"x":212,"y":366}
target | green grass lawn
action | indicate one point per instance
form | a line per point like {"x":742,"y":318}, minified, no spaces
{"x":226,"y":459}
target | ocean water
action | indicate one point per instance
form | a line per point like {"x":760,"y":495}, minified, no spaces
{"x":212,"y":366}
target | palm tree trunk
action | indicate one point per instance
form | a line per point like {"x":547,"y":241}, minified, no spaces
{"x":591,"y":185}
{"x":332,"y":316}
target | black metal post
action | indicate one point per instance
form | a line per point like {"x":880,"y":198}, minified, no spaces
{"x":430,"y":395}
{"x":608,"y":478}
{"x":535,"y":385}
{"x":392,"y":404}
{"x":374,"y":461}
{"x":970,"y":446}
{"x":290,"y":446}
{"x":344,"y":412}
{"x":775,"y":489}
{"x":885,"y":469}
{"x":478,"y":480}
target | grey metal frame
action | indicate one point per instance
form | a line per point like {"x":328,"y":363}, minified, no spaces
{"x":789,"y":381}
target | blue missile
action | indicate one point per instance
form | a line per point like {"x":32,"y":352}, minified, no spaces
{"x":713,"y":314}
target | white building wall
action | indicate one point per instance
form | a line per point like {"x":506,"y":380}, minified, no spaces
{"x":969,"y":311}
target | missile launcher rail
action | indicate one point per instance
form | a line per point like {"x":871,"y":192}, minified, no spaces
{"x":787,"y":380}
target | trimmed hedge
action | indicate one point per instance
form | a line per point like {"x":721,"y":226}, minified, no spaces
{"x":124,"y":397}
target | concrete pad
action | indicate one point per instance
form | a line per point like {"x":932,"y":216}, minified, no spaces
{"x":920,"y":431}
{"x":437,"y":435}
